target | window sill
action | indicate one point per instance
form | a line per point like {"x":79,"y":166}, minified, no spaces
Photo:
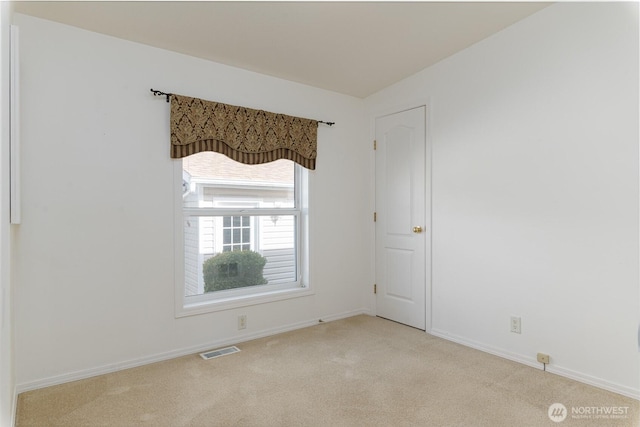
{"x":221,"y":304}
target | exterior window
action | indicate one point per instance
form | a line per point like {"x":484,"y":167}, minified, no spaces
{"x":236,"y":232}
{"x":241,"y":228}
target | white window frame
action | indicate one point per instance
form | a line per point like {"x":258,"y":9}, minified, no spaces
{"x":241,"y":297}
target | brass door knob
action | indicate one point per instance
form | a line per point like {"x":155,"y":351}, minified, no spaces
{"x":417,"y":229}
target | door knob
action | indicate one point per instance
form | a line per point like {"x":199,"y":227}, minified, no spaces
{"x":417,"y":229}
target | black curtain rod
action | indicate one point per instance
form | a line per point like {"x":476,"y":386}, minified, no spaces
{"x":168,"y":95}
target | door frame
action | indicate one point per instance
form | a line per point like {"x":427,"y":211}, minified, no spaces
{"x":385,"y":111}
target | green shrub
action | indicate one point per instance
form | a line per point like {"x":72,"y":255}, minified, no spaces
{"x":235,"y":269}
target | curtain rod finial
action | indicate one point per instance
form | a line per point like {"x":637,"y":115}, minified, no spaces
{"x":160,"y":93}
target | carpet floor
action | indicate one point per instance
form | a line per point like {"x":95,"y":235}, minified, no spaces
{"x":360,"y":371}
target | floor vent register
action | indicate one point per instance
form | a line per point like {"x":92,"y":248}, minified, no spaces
{"x":221,"y":352}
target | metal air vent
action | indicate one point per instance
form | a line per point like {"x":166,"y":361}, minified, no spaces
{"x":221,"y":352}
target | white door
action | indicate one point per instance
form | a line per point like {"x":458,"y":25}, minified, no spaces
{"x":401,"y":217}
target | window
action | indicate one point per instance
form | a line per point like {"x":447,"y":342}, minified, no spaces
{"x":242,"y":232}
{"x":236,"y":232}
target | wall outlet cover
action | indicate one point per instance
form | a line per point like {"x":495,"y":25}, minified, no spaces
{"x":543,"y":358}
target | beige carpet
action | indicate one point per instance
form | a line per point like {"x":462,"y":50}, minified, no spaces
{"x":361,"y":371}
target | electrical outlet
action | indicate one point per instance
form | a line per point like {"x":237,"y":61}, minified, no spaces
{"x":543,"y":358}
{"x":516,"y":326}
{"x":242,"y":321}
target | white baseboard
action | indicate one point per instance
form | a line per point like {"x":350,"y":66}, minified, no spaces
{"x":344,"y":315}
{"x":114,"y":367}
{"x":529,"y":361}
{"x":594,"y":381}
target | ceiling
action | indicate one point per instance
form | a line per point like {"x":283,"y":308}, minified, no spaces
{"x":355,"y":48}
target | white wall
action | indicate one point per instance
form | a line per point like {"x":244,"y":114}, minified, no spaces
{"x":94,"y":262}
{"x":7,"y":378}
{"x":534,"y":134}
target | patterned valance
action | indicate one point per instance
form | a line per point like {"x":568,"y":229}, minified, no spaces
{"x":243,"y":134}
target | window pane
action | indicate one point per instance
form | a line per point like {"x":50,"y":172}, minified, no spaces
{"x":236,"y":221}
{"x":206,"y":270}
{"x":214,"y":180}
